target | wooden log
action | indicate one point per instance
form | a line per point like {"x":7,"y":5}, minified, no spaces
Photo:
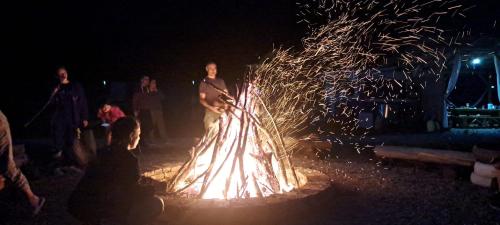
{"x":425,"y":155}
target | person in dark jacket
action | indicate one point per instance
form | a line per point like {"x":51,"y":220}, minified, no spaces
{"x":9,"y":171}
{"x":155,"y":99}
{"x":69,"y":117}
{"x":142,"y":107}
{"x":111,"y":188}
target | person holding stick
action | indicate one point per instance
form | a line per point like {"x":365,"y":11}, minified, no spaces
{"x":69,"y":117}
{"x":209,"y":91}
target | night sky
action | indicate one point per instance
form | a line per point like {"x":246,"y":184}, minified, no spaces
{"x":169,"y":40}
{"x":117,"y":40}
{"x":121,"y":41}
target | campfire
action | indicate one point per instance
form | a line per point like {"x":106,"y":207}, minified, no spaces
{"x":237,"y":157}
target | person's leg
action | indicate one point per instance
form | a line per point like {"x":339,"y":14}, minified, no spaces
{"x":145,"y":119}
{"x":69,"y":145}
{"x":154,"y":126}
{"x":159,"y":121}
{"x":210,"y":118}
{"x":8,"y":167}
{"x":57,"y":130}
{"x":146,"y":211}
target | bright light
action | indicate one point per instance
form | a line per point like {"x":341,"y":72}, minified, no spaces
{"x":227,"y":168}
{"x":104,"y":82}
{"x":476,"y":61}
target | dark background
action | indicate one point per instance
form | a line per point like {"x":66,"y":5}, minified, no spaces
{"x":168,"y":40}
{"x":122,"y":41}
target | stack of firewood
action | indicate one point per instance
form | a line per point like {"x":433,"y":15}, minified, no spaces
{"x":486,"y":168}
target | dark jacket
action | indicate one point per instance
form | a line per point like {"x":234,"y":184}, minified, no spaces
{"x":155,"y":100}
{"x":109,"y":187}
{"x":139,"y":100}
{"x":70,"y":104}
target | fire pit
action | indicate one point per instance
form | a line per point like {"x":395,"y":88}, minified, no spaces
{"x":183,"y":209}
{"x":238,"y":164}
{"x":313,"y":182}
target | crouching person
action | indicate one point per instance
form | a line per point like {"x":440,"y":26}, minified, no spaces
{"x":110,"y":189}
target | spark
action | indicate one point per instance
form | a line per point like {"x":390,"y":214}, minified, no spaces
{"x":340,"y":57}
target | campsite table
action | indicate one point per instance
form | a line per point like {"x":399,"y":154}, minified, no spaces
{"x":474,"y":118}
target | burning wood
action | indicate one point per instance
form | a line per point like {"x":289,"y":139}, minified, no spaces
{"x":237,"y":158}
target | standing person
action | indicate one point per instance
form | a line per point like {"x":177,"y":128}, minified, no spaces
{"x":156,"y":98}
{"x":9,"y":170}
{"x":209,"y":95}
{"x":139,"y":98}
{"x":141,"y":105}
{"x":69,"y":117}
{"x":111,"y":187}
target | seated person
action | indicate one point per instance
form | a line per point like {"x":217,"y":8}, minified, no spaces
{"x":109,"y":113}
{"x":9,"y":173}
{"x":111,"y":188}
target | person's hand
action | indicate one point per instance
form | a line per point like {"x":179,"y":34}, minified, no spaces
{"x":216,"y":109}
{"x":56,"y":89}
{"x":85,"y":123}
{"x":136,"y":114}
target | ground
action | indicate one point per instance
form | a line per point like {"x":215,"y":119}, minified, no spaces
{"x":364,"y":190}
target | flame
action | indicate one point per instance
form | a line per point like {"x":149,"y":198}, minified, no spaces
{"x":236,"y":158}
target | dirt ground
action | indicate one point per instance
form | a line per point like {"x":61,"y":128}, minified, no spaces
{"x":364,"y":190}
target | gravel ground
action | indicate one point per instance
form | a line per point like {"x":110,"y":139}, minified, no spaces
{"x":363,"y":191}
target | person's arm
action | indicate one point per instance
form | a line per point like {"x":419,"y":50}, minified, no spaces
{"x":53,"y":94}
{"x":116,"y":113}
{"x":224,"y":87}
{"x":203,"y":99}
{"x":119,"y":112}
{"x":226,"y":107}
{"x":204,"y":103}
